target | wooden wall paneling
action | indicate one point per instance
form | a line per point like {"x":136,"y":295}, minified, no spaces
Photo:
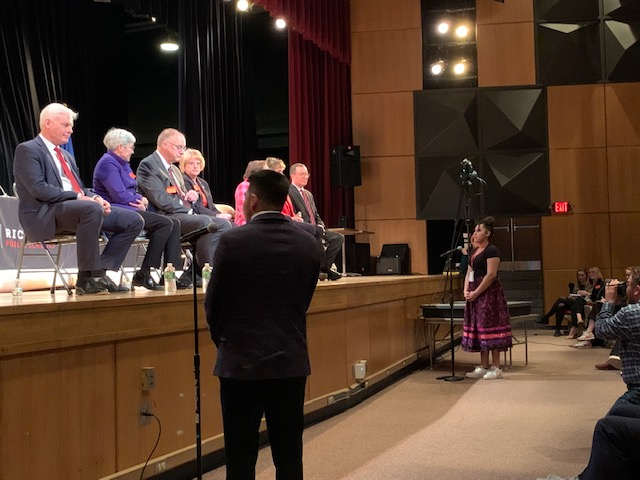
{"x":397,"y":331}
{"x":623,"y":113}
{"x":173,"y":398}
{"x":625,"y":230}
{"x":379,"y":336}
{"x":386,"y":61}
{"x":58,"y":415}
{"x":358,"y":347}
{"x":623,"y":175}
{"x":579,"y":176}
{"x":412,"y":333}
{"x":573,"y":241}
{"x":490,"y":11}
{"x":327,"y":339}
{"x":576,"y":116}
{"x":412,"y":232}
{"x":506,"y":54}
{"x":372,"y":15}
{"x":389,"y":190}
{"x":383,"y":124}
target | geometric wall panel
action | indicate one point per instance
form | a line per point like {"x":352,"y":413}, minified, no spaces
{"x":439,"y":194}
{"x":620,"y":8}
{"x":446,"y":122}
{"x":518,"y":183}
{"x":622,"y":49}
{"x":510,"y":156}
{"x":514,"y":119}
{"x":566,"y":10}
{"x":569,"y":53}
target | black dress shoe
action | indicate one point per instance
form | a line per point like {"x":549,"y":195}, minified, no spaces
{"x":90,"y":286}
{"x":333,"y":275}
{"x":184,"y":282}
{"x":106,"y":282}
{"x":141,"y":279}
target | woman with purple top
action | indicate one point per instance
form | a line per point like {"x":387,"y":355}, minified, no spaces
{"x":114,"y":181}
{"x":487,"y":325}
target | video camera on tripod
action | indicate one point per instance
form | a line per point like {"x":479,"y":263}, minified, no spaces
{"x":466,"y":171}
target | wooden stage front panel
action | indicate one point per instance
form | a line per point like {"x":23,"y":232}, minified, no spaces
{"x":70,"y":371}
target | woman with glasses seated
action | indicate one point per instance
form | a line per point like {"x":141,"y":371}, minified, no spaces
{"x":562,"y":304}
{"x":191,"y":165}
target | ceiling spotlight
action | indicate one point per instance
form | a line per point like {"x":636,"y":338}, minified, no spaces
{"x":242,"y":5}
{"x":437,"y":68}
{"x":443,"y":27}
{"x":460,"y":67}
{"x":281,"y":24}
{"x":462,"y":31}
{"x":170,"y":43}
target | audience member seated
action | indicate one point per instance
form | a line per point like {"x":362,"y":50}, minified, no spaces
{"x":594,"y":301}
{"x":305,"y":205}
{"x":162,"y":183}
{"x":252,"y":167}
{"x":588,"y":296}
{"x":562,"y":304}
{"x":53,"y":200}
{"x":191,"y":165}
{"x":614,"y":448}
{"x":114,"y":180}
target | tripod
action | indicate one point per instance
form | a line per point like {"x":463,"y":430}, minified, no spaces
{"x":466,"y":174}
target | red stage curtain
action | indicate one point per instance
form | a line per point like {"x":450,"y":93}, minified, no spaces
{"x":319,"y":92}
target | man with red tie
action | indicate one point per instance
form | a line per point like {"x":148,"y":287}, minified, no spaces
{"x":305,"y":204}
{"x":53,"y":200}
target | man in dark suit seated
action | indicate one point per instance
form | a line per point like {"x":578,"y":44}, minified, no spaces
{"x":263,"y":280}
{"x":162,"y":183}
{"x":53,"y":200}
{"x":305,"y":205}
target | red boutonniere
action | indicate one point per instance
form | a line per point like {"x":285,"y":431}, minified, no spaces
{"x":132,"y":175}
{"x":172,"y":190}
{"x":596,"y":287}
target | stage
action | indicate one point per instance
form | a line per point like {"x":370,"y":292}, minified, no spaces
{"x":70,"y":370}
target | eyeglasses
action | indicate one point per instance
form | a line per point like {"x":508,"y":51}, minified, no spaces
{"x":195,"y":163}
{"x":180,"y":148}
{"x":302,"y":174}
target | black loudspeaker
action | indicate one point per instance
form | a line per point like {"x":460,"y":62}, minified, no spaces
{"x":395,"y":259}
{"x":358,"y":258}
{"x":345,"y":166}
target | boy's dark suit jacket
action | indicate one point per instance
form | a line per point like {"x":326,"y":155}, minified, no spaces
{"x":264,"y":276}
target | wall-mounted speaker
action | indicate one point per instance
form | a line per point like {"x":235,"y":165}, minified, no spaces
{"x":345,"y":166}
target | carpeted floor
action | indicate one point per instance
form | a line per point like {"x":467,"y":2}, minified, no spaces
{"x":536,"y":420}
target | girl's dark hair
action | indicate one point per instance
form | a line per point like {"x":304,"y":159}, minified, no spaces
{"x":488,"y":223}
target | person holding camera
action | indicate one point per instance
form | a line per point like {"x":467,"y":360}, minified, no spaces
{"x":624,"y":326}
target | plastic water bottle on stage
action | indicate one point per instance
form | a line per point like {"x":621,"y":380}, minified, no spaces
{"x":206,"y":276}
{"x":170,"y":286}
{"x":17,"y":288}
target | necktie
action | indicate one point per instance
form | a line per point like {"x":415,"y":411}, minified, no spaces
{"x":307,"y":204}
{"x":67,"y":171}
{"x":174,"y":180}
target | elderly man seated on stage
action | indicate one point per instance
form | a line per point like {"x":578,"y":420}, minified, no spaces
{"x":53,"y":200}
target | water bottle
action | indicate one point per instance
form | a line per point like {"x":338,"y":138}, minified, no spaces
{"x":206,"y":276}
{"x":17,"y":289}
{"x":170,"y":286}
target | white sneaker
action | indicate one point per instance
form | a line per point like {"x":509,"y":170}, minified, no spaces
{"x":478,"y":372}
{"x":492,"y":373}
{"x":586,"y":336}
{"x":583,"y":344}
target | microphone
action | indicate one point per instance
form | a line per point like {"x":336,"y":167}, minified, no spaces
{"x":467,"y":171}
{"x":192,"y":237}
{"x":453,"y":250}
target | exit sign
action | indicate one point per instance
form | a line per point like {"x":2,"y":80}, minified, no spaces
{"x":560,"y":207}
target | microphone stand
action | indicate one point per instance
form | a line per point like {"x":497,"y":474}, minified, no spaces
{"x":453,"y":377}
{"x":196,"y":362}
